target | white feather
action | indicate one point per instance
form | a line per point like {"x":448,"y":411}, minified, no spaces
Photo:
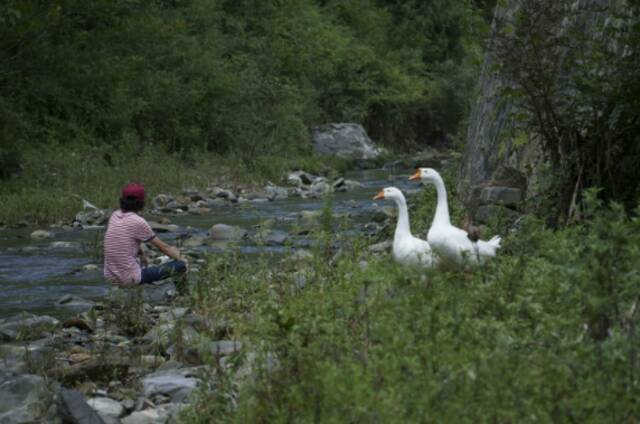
{"x":407,"y":249}
{"x":451,"y":243}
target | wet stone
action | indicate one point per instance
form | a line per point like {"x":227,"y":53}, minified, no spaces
{"x":276,"y":238}
{"x":300,"y":178}
{"x":73,"y":408}
{"x":106,"y":407}
{"x":64,"y":245}
{"x":213,"y":203}
{"x":276,"y":193}
{"x":148,"y":416}
{"x":163,"y":228}
{"x":162,"y":200}
{"x":26,"y":326}
{"x":23,"y":399}
{"x":75,"y":302}
{"x":177,"y":384}
{"x":226,"y":232}
{"x":41,"y":234}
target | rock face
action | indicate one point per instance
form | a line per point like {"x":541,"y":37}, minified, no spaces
{"x":487,"y":150}
{"x":492,"y":155}
{"x":344,"y":140}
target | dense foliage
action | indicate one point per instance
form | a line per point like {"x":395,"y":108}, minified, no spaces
{"x":572,"y":72}
{"x":246,"y":76}
{"x":547,"y":332}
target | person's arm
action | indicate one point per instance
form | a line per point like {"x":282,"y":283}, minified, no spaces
{"x":170,"y":251}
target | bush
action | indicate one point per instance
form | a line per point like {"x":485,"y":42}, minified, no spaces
{"x":571,"y":70}
{"x":231,"y":76}
{"x":548,"y":332}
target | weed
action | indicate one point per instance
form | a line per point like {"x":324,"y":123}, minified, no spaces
{"x":545,"y":332}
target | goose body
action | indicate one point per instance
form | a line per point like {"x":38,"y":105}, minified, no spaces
{"x":407,"y":249}
{"x":452,"y":244}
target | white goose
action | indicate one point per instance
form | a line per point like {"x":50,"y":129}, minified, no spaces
{"x":453,"y":244}
{"x":407,"y":249}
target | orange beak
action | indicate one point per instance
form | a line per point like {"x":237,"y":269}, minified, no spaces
{"x":379,"y":195}
{"x":415,"y":176}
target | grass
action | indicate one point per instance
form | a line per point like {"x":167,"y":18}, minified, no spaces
{"x":518,"y":341}
{"x":54,"y":181}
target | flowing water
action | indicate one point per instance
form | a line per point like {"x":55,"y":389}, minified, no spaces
{"x":36,"y":273}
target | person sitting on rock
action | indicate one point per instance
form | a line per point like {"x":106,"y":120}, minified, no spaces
{"x":124,"y":262}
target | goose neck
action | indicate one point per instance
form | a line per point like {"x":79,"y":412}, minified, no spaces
{"x":403,"y":228}
{"x":442,"y":209}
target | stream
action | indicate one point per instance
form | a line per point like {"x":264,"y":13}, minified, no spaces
{"x":34,"y":274}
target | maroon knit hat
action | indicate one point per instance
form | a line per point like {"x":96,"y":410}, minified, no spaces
{"x":133,"y":190}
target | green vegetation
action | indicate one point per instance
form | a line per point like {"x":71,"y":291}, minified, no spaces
{"x":52,"y":185}
{"x":247,"y":76}
{"x":133,"y":80}
{"x":574,"y":82}
{"x":189,"y":92}
{"x":547,"y":332}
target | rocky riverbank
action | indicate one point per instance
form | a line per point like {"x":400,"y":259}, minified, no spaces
{"x":133,"y":358}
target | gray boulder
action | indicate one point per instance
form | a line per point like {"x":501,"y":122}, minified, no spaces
{"x":346,"y":185}
{"x":214,"y":203}
{"x":64,"y":245}
{"x":192,"y":193}
{"x":194,"y":241}
{"x":226,"y":232}
{"x":23,"y":399}
{"x":74,"y":409}
{"x":276,"y":193}
{"x":162,"y":200}
{"x":106,"y":407}
{"x":40,"y":234}
{"x":344,"y":140}
{"x":177,"y":384}
{"x":92,"y":218}
{"x":276,"y":238}
{"x":160,"y":414}
{"x":300,"y":178}
{"x":74,"y":302}
{"x":320,"y":186}
{"x":158,"y":292}
{"x":163,"y":228}
{"x":223,"y":194}
{"x":26,"y":326}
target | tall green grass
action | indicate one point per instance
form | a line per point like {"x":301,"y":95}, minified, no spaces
{"x":547,"y":332}
{"x":56,"y":178}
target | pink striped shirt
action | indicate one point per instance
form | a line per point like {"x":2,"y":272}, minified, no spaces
{"x":125,"y":232}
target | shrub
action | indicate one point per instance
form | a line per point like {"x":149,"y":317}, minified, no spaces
{"x":571,"y":71}
{"x":546,"y":332}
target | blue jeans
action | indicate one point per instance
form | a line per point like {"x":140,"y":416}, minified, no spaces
{"x":155,"y":273}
